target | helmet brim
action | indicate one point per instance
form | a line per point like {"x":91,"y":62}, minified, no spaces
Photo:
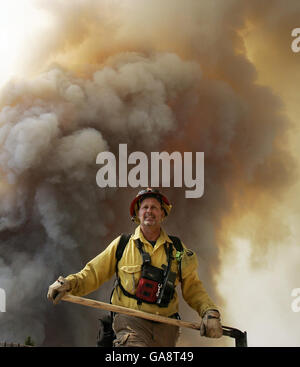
{"x":138,"y":197}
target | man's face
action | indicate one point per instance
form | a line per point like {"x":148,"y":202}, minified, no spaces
{"x":151,"y":212}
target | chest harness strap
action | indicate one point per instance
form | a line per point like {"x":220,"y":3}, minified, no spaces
{"x":150,"y":276}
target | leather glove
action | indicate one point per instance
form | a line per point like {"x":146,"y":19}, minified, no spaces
{"x":58,"y":289}
{"x":211,"y":324}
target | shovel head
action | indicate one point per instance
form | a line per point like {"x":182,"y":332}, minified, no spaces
{"x":239,"y":336}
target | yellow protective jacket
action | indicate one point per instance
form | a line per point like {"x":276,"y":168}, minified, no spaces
{"x":102,"y":268}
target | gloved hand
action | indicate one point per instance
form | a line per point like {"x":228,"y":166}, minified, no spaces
{"x":211,"y":324}
{"x":58,"y":289}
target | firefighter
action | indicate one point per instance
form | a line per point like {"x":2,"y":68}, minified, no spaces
{"x":150,"y":266}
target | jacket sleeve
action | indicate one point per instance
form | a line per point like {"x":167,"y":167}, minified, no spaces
{"x":96,"y":272}
{"x":192,"y":288}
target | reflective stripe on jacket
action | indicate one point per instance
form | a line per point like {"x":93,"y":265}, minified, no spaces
{"x":102,"y":268}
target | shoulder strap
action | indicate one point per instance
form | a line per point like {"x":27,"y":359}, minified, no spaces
{"x":145,"y":256}
{"x":121,"y":246}
{"x":178,"y":245}
{"x":120,"y":249}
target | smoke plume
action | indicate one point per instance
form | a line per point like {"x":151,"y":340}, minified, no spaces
{"x":159,"y":76}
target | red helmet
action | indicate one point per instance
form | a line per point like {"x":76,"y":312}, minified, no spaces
{"x":152,"y":193}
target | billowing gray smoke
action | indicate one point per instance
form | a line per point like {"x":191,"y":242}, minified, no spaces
{"x":171,"y":76}
{"x":53,"y":215}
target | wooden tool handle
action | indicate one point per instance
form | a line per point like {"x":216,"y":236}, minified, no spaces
{"x":228,"y":331}
{"x":129,"y":311}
